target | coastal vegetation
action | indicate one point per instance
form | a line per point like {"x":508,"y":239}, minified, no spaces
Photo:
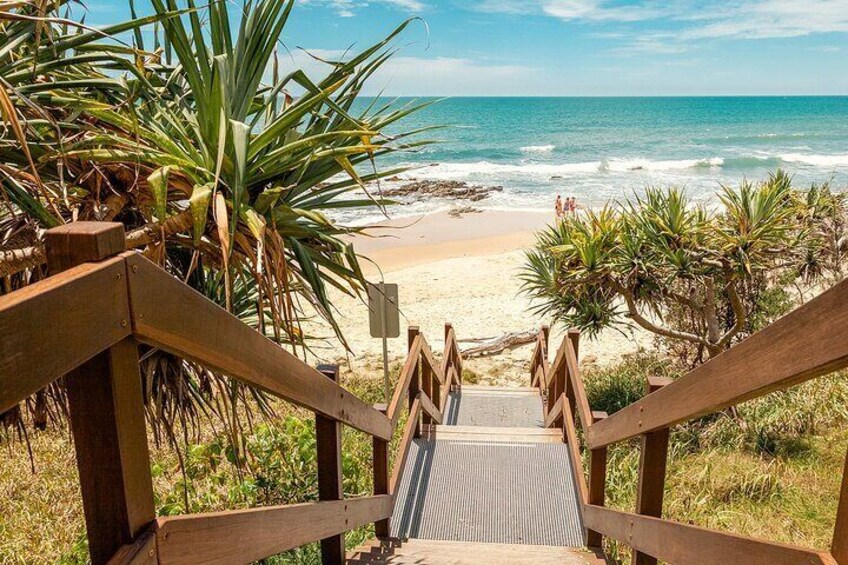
{"x":220,"y":158}
{"x":699,"y":279}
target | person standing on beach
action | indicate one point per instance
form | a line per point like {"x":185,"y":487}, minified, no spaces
{"x":558,"y":206}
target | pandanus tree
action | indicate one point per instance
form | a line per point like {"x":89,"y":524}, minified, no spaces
{"x":222,"y":163}
{"x":681,"y":271}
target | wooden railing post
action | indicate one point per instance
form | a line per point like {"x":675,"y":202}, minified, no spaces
{"x":574,"y":337}
{"x":427,"y":388}
{"x":381,"y":475}
{"x":652,"y":466}
{"x":546,"y":331}
{"x":328,"y":435}
{"x":415,"y":383}
{"x":839,"y":547}
{"x":106,"y":410}
{"x":597,"y":483}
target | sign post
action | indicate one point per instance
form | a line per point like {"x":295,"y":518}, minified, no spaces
{"x":384,"y":320}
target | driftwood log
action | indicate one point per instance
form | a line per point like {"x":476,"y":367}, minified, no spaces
{"x":495,"y":345}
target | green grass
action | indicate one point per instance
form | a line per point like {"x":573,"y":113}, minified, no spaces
{"x":770,"y":471}
{"x":42,"y":519}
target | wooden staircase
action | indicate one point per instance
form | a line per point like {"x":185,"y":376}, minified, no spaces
{"x":488,"y":485}
{"x":479,"y":476}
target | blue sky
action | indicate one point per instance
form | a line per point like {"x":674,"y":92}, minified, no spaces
{"x":581,"y":47}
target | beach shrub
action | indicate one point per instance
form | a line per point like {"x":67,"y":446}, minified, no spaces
{"x":695,"y":277}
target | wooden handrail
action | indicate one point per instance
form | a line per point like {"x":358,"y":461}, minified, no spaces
{"x":675,"y":542}
{"x":215,"y":338}
{"x":806,"y":343}
{"x":810,"y":341}
{"x":99,"y":304}
{"x":243,"y":536}
{"x":58,"y":323}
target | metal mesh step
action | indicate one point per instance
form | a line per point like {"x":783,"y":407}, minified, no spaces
{"x":503,"y":409}
{"x":517,"y":493}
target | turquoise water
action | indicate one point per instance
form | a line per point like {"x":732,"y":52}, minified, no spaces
{"x":598,"y":149}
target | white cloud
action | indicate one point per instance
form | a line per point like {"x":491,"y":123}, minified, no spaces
{"x":347,"y":8}
{"x":421,"y":76}
{"x":751,"y":19}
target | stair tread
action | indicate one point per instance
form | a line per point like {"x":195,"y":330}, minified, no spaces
{"x":422,"y":552}
{"x":492,"y":434}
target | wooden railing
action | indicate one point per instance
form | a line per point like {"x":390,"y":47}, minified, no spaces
{"x":85,"y":322}
{"x":807,"y":343}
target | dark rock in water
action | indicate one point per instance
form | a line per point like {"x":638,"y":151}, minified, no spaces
{"x":459,"y":190}
{"x":556,"y":177}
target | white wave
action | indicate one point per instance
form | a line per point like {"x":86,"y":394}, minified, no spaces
{"x":537,"y":148}
{"x":453,"y":171}
{"x":816,"y":160}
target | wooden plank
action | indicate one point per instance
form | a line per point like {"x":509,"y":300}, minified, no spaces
{"x":839,"y":547}
{"x":411,"y":431}
{"x":328,"y":436}
{"x":415,"y":382}
{"x":767,"y":361}
{"x":429,"y":408}
{"x":408,"y":376}
{"x":597,"y":488}
{"x":107,"y":420}
{"x":213,"y":337}
{"x":242,"y":536}
{"x":674,"y":542}
{"x":141,"y":552}
{"x":82,"y":242}
{"x":653,"y":459}
{"x":430,"y":360}
{"x":105,"y":403}
{"x":57,"y":324}
{"x":555,"y":413}
{"x":575,"y":453}
{"x":381,"y":480}
{"x":581,"y":403}
{"x":426,"y":389}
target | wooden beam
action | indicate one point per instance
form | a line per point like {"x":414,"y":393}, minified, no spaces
{"x":407,"y":382}
{"x":213,"y":337}
{"x":410,"y":432}
{"x":328,"y":435}
{"x":767,"y":361}
{"x":580,"y":403}
{"x":243,"y":536}
{"x":429,"y":408}
{"x":381,"y":477}
{"x":555,"y":413}
{"x":674,"y":542}
{"x":59,"y":323}
{"x":653,"y":459}
{"x":105,"y":402}
{"x":597,"y":487}
{"x":839,"y":547}
{"x":574,"y":451}
{"x":413,"y":337}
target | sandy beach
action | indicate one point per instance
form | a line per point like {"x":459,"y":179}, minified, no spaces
{"x":464,"y":270}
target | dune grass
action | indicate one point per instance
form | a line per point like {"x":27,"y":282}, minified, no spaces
{"x":773,"y":471}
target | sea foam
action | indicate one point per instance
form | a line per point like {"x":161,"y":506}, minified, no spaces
{"x":537,"y":148}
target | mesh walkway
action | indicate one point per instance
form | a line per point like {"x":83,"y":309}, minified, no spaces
{"x":509,"y":483}
{"x":494,"y":408}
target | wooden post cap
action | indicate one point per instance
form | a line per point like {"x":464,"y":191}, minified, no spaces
{"x":81,"y":242}
{"x":655,"y":383}
{"x":329,"y":371}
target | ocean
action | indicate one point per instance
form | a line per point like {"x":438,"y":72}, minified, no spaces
{"x":608,"y":149}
